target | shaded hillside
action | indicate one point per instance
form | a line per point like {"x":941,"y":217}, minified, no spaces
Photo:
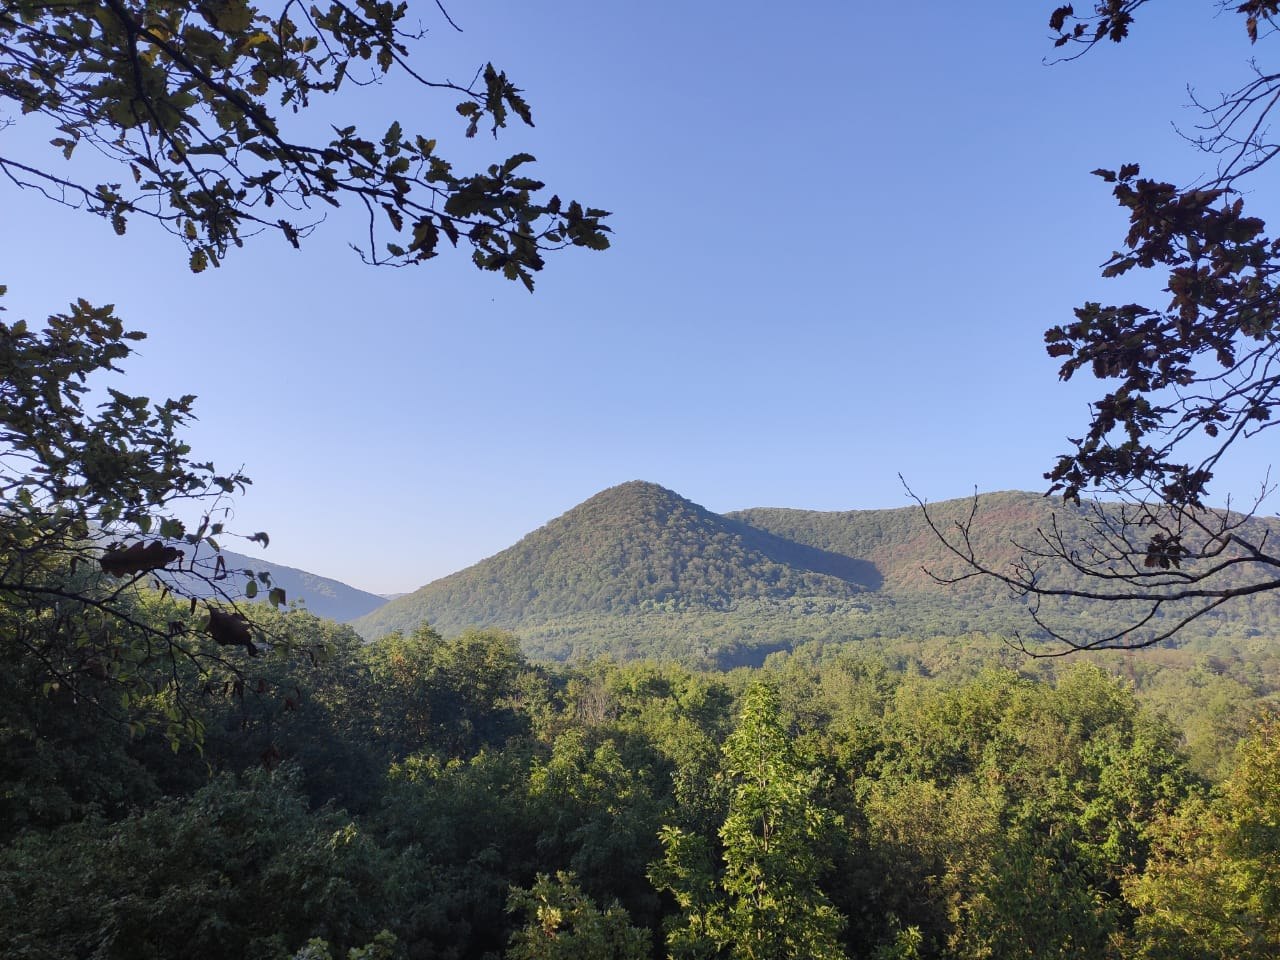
{"x":906,"y":551}
{"x":631,"y":547}
{"x":903,"y":548}
{"x":322,"y":596}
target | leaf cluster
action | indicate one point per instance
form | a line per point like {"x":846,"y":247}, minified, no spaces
{"x":1202,"y":365}
{"x":94,"y":485}
{"x":192,"y":102}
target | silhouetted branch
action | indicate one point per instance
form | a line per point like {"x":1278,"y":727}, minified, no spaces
{"x":1150,"y":568}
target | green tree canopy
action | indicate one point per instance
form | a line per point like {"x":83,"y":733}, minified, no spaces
{"x":766,"y":903}
{"x":562,"y":923}
{"x":1212,"y":888}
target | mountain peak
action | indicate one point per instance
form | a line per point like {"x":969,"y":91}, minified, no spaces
{"x":630,"y":501}
{"x":635,"y":486}
{"x":637,"y":545}
{"x":638,"y":491}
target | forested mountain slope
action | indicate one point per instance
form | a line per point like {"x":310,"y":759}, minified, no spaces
{"x":631,"y":547}
{"x":638,"y":570}
{"x":902,"y":547}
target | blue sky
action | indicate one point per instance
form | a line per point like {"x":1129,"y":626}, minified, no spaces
{"x":841,"y":230}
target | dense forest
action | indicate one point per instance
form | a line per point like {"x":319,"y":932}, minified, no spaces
{"x":419,"y":797}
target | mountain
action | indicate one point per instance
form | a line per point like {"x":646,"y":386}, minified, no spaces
{"x":633,"y":546}
{"x":901,"y":546}
{"x":322,"y":596}
{"x":638,"y":570}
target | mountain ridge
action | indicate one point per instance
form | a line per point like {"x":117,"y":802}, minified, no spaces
{"x":638,"y":570}
{"x":323,"y":596}
{"x":632,"y":543}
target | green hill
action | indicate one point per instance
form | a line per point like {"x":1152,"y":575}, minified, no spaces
{"x":638,"y":570}
{"x":632,"y":547}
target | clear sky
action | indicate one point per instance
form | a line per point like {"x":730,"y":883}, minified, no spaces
{"x":841,"y":230}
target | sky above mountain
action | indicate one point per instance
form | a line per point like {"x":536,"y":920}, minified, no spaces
{"x":841,"y":230}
